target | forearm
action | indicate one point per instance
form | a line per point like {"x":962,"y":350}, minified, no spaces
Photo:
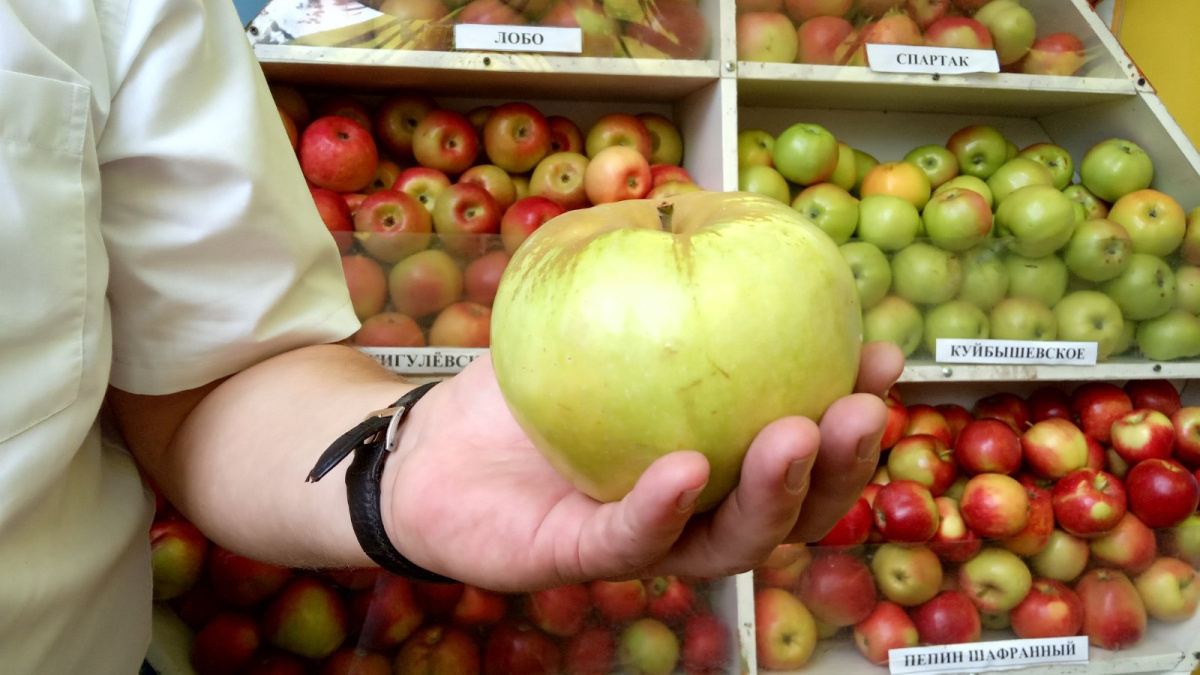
{"x":235,"y":463}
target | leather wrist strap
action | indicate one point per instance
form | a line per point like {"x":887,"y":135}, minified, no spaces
{"x":372,"y":441}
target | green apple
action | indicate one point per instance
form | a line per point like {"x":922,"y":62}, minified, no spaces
{"x":1090,"y":316}
{"x":1044,"y":278}
{"x":806,"y":154}
{"x":1012,"y":27}
{"x":1091,"y":204}
{"x":1174,"y":335}
{"x":980,"y":150}
{"x":889,"y":222}
{"x":925,"y":274}
{"x":957,"y":219}
{"x":971,"y":183}
{"x":1145,"y":289}
{"x":845,"y":174}
{"x":1016,"y":173}
{"x":984,"y":277}
{"x":954,"y":319}
{"x":872,"y":272}
{"x":1154,"y":220}
{"x":863,"y":163}
{"x":1055,"y":158}
{"x":1022,"y":319}
{"x":755,"y":148}
{"x":938,"y":163}
{"x":1098,"y":250}
{"x":830,"y":208}
{"x":1115,"y":167}
{"x":765,"y":181}
{"x":894,"y":319}
{"x":1037,"y":218}
{"x":1191,"y":238}
{"x":1187,"y":288}
{"x":629,"y":330}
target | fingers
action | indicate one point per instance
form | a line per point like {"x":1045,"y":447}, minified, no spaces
{"x":629,"y":535}
{"x":880,"y":367}
{"x":850,"y":433}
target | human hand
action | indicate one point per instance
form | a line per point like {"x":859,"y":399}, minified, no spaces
{"x":470,"y":497}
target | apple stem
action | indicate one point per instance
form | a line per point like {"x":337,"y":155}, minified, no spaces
{"x":664,"y":216}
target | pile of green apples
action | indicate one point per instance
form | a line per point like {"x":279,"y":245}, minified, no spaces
{"x":978,"y":239}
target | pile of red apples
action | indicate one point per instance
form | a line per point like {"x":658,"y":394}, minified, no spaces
{"x":427,"y":204}
{"x":254,"y":618}
{"x":1070,"y":511}
{"x":969,"y":237}
{"x":836,"y":32}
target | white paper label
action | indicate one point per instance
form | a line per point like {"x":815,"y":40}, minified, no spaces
{"x":977,"y":657}
{"x":518,"y":38}
{"x":933,"y":60}
{"x":1016,"y":352}
{"x":423,"y":361}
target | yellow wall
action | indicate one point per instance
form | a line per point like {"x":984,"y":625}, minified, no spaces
{"x":1163,"y":39}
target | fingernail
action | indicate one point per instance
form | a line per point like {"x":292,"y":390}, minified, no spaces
{"x":687,"y":500}
{"x":868,"y":448}
{"x":797,"y":475}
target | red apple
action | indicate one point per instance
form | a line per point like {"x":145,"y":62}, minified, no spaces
{"x":560,"y":177}
{"x":396,"y":121}
{"x":425,"y":283}
{"x":482,"y":276}
{"x":1186,"y":422}
{"x":988,"y":446}
{"x":462,"y":324}
{"x":994,"y":505}
{"x":706,"y":648}
{"x":438,"y":600}
{"x":887,"y":627}
{"x":242,"y":581}
{"x":905,"y":512}
{"x":670,"y":599}
{"x":783,"y":567}
{"x":225,"y":644}
{"x":784,"y":630}
{"x":177,"y":553}
{"x":958,"y":32}
{"x":616,"y":173}
{"x":1006,"y":407}
{"x":1113,"y":614}
{"x":489,"y":12}
{"x":957,"y":418}
{"x":354,"y":578}
{"x":197,"y":606}
{"x":337,"y":153}
{"x":461,"y":215}
{"x":350,"y":107}
{"x":479,"y":606}
{"x":1048,"y":401}
{"x":1097,"y":458}
{"x":1170,"y":590}
{"x":954,"y":541}
{"x":307,"y":618}
{"x":1087,"y":502}
{"x":385,"y":175}
{"x":1161,"y":492}
{"x":851,"y":529}
{"x":619,"y":129}
{"x":1096,"y":405}
{"x":516,"y":137}
{"x":495,"y":180}
{"x":390,"y":329}
{"x":292,"y":102}
{"x":1156,"y":394}
{"x":1143,"y":434}
{"x":591,"y":651}
{"x":926,"y":12}
{"x":949,"y":618}
{"x":1038,"y":526}
{"x":1051,"y":609}
{"x":446,"y":141}
{"x":820,"y":37}
{"x":619,"y":601}
{"x":524,"y":217}
{"x":335,"y":213}
{"x":675,"y":28}
{"x":1129,"y":546}
{"x":1054,"y":447}
{"x":838,"y":589}
{"x":925,"y":419}
{"x":561,"y":610}
{"x":601,"y":32}
{"x":1061,"y":54}
{"x":517,"y":647}
{"x":422,"y":183}
{"x":565,"y":135}
{"x":393,"y":225}
{"x":387,"y":614}
{"x":355,"y":661}
{"x":668,"y":173}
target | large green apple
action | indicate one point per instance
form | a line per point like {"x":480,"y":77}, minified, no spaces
{"x":1091,"y":316}
{"x":1044,"y":278}
{"x":627,"y":331}
{"x":1145,"y":289}
{"x":954,"y":319}
{"x":957,"y":219}
{"x":925,"y":274}
{"x":872,"y":272}
{"x":806,"y":153}
{"x":830,"y":208}
{"x":1038,"y":219}
{"x":1015,"y":174}
{"x":1174,"y":335}
{"x":896,"y":320}
{"x":755,"y":148}
{"x":765,"y":181}
{"x":984,"y":277}
{"x":888,"y":221}
{"x":979,"y":148}
{"x":1098,"y":250}
{"x":1022,"y":319}
{"x":1115,"y":167}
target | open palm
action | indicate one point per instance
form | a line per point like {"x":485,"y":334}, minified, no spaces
{"x":474,"y":500}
